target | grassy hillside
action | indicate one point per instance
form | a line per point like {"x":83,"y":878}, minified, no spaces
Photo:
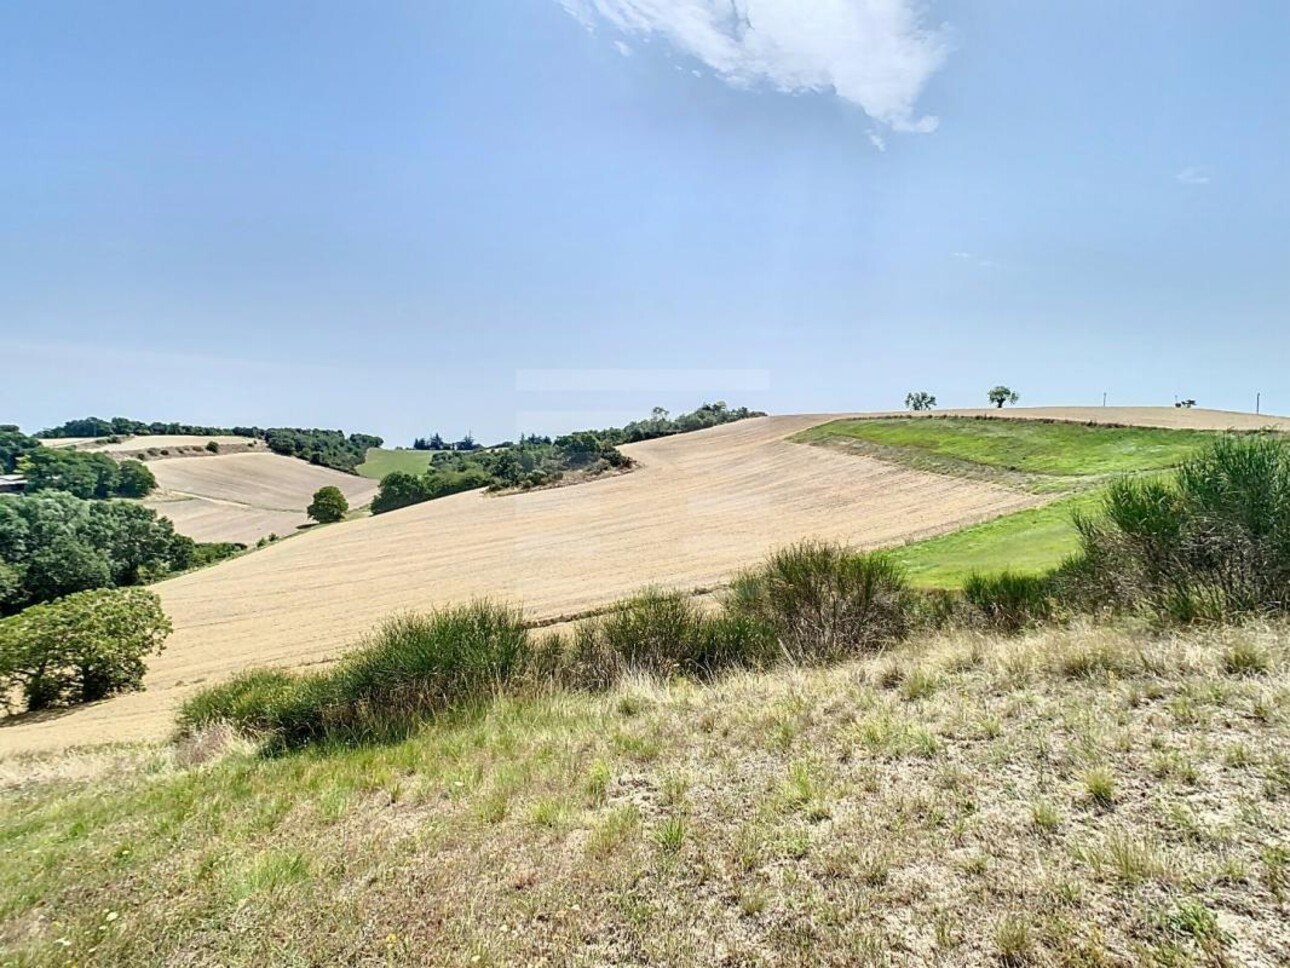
{"x":381,"y":461}
{"x":1030,"y":542}
{"x":1066,"y":449}
{"x":1086,"y":797}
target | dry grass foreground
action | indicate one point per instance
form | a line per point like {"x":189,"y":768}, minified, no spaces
{"x":1093,"y":797}
{"x":699,"y":507}
{"x":243,"y":497}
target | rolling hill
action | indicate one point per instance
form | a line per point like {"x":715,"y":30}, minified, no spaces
{"x":245,"y":496}
{"x":699,"y":507}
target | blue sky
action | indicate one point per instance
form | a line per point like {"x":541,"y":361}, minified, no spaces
{"x":542,"y":215}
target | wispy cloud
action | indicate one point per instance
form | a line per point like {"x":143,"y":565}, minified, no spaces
{"x":877,"y":54}
{"x":623,"y":48}
{"x":1194,"y":175}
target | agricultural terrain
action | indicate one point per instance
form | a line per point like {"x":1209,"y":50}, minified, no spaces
{"x":245,"y":496}
{"x":699,"y":507}
{"x":154,"y":446}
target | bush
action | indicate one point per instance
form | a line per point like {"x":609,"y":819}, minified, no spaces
{"x":1211,"y":544}
{"x":82,"y":648}
{"x":667,"y":634}
{"x":413,"y":666}
{"x":212,"y":446}
{"x":329,"y":505}
{"x":1010,"y":602}
{"x":823,"y":601}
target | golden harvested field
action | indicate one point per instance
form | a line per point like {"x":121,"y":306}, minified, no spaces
{"x":242,"y":497}
{"x":700,"y":506}
{"x":132,"y":445}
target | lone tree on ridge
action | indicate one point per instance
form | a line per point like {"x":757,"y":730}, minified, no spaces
{"x":1001,"y":395}
{"x":920,"y":400}
{"x":329,"y":505}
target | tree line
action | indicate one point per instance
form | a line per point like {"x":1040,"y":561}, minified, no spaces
{"x":536,"y":460}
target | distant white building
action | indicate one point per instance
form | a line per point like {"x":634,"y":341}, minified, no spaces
{"x":12,"y":483}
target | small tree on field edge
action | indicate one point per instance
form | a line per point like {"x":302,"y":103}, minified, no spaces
{"x":328,"y":505}
{"x":1001,"y":395}
{"x":920,"y":400}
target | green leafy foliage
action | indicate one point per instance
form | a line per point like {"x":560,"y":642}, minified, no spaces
{"x":81,"y":648}
{"x":329,"y":505}
{"x":56,"y":544}
{"x":1212,"y":542}
{"x":86,"y":475}
{"x":14,"y":444}
{"x":1000,"y":395}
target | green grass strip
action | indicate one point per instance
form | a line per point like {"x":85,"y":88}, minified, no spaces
{"x":1027,"y":542}
{"x":1067,"y":449}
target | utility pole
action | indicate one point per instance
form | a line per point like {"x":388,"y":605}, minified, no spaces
{"x":1104,"y":398}
{"x":1258,"y":402}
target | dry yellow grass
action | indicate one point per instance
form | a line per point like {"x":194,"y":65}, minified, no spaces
{"x":699,"y":507}
{"x":243,"y":497}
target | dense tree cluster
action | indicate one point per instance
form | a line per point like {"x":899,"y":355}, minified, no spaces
{"x":14,"y":444}
{"x":327,"y":448}
{"x":96,"y":427}
{"x":53,"y":544}
{"x":85,"y":475}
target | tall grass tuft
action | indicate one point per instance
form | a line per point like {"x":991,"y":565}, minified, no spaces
{"x":823,"y":601}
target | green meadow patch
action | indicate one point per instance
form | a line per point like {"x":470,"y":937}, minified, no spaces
{"x":1028,"y":542}
{"x":382,"y":461}
{"x":1028,"y":446}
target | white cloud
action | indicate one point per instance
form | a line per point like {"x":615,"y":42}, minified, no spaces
{"x":877,"y":140}
{"x":1195,"y":175}
{"x":623,"y":48}
{"x":877,"y":54}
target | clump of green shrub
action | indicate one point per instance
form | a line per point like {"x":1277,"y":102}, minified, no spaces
{"x":667,"y":634}
{"x":1009,"y":601}
{"x":81,"y":648}
{"x":1211,"y":544}
{"x":412,"y":667}
{"x":823,"y":601}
